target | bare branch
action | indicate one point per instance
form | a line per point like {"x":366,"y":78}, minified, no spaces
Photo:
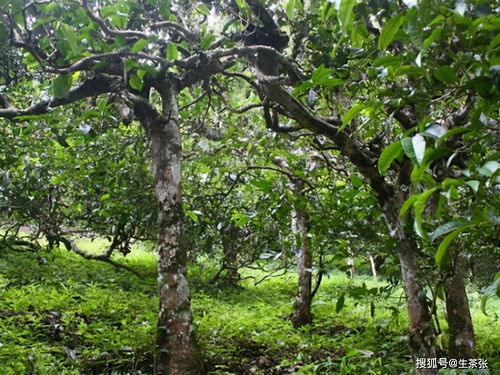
{"x":188,"y":35}
{"x":92,"y":87}
{"x":109,"y":31}
{"x":106,"y":257}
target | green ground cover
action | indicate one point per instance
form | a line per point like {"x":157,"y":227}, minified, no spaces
{"x":62,"y":314}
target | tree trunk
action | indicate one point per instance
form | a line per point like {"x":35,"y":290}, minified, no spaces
{"x":302,"y":306}
{"x":176,"y":348}
{"x":351,"y":270}
{"x":419,"y":316}
{"x":462,"y":343}
{"x":373,"y":266}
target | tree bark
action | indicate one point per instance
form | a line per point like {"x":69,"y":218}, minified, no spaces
{"x":421,"y":332}
{"x":373,"y":266}
{"x":176,"y":348}
{"x":302,"y":306}
{"x":462,"y":342}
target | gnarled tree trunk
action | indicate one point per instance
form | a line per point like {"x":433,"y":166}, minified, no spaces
{"x":176,"y":348}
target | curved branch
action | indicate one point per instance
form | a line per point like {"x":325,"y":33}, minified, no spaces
{"x":188,"y":35}
{"x":109,"y":31}
{"x":92,"y":87}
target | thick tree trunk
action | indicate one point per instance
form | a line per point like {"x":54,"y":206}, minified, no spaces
{"x":419,"y":316}
{"x":176,"y":348}
{"x":462,"y":343}
{"x":302,"y":306}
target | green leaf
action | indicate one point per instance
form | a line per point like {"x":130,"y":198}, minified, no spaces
{"x":407,"y":204}
{"x":390,"y":153}
{"x":135,"y":82}
{"x":62,"y":85}
{"x":192,"y":216}
{"x":389,"y":31}
{"x":71,"y":37}
{"x":489,"y":168}
{"x":203,"y":9}
{"x":445,"y":229}
{"x":418,"y":143}
{"x":346,"y":13}
{"x":357,"y":182}
{"x":407,"y":144}
{"x":446,"y":74}
{"x":434,"y":131}
{"x":207,"y":41}
{"x":290,"y":9}
{"x":104,"y":197}
{"x":340,"y":303}
{"x":442,"y":257}
{"x":172,"y":52}
{"x":139,"y":45}
{"x":435,"y":35}
{"x":474,"y":185}
{"x":351,"y":113}
{"x":321,"y":74}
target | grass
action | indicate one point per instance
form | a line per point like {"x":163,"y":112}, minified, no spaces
{"x":61,"y":314}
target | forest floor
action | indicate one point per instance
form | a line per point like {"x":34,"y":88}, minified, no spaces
{"x":61,"y":314}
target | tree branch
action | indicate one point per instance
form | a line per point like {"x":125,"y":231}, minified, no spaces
{"x":96,"y":86}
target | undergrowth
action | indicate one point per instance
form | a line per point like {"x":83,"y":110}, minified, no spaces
{"x":61,"y":314}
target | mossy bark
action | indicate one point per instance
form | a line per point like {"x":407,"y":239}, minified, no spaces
{"x":176,"y":348}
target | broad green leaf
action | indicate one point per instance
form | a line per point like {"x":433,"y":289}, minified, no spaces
{"x":434,"y":131}
{"x":489,"y":168}
{"x":408,"y":204}
{"x":340,"y":303}
{"x":388,"y":61}
{"x":62,"y":85}
{"x":346,"y":13}
{"x":192,"y":216}
{"x":474,"y":185}
{"x":172,"y":52}
{"x":104,"y":197}
{"x":139,"y":45}
{"x":357,"y":182}
{"x":290,"y":9}
{"x":389,"y":31}
{"x":418,"y":207}
{"x":445,"y":229}
{"x":407,"y":144}
{"x":321,"y":74}
{"x":266,"y":186}
{"x":418,"y":143}
{"x":351,"y":113}
{"x":390,"y":153}
{"x":446,"y":74}
{"x":71,"y":37}
{"x":135,"y":82}
{"x":442,"y":256}
{"x":207,"y":41}
{"x":203,"y":9}
{"x":435,"y":35}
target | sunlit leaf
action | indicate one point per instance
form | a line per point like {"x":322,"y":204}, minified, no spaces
{"x":346,"y":13}
{"x":389,"y":31}
{"x":390,"y":153}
